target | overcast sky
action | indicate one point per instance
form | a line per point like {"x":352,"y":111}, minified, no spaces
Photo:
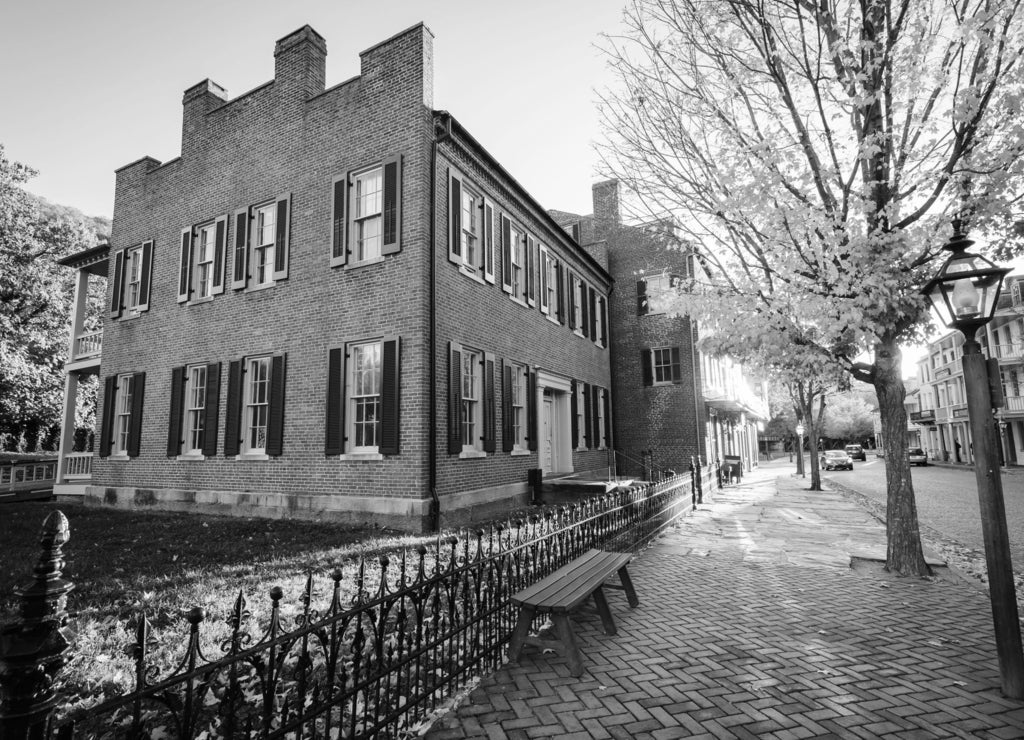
{"x":88,"y":87}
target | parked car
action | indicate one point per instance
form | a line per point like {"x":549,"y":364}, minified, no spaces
{"x":835,"y":460}
{"x":917,"y":456}
{"x":856,"y":452}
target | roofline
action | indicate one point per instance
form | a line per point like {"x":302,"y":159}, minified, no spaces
{"x":100,"y":250}
{"x":451,"y":123}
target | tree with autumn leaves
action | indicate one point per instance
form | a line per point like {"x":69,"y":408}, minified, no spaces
{"x":815,"y":152}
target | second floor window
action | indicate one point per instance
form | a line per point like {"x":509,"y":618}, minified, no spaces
{"x":661,"y":366}
{"x":264,"y":233}
{"x":470,"y":227}
{"x":205,"y":247}
{"x":366,"y":213}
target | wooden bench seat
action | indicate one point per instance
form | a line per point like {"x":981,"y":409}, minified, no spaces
{"x":563,"y":591}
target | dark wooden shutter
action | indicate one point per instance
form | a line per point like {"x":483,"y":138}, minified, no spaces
{"x":135,"y":430}
{"x":488,"y":239}
{"x":574,"y":413}
{"x":588,"y":420}
{"x":211,"y":414}
{"x":508,"y":441}
{"x":645,"y":364}
{"x":390,"y":408}
{"x":506,"y":254}
{"x":607,"y":419}
{"x":531,"y":410}
{"x":145,"y":280}
{"x":592,"y":332}
{"x":219,"y":250}
{"x":233,"y":414}
{"x":490,"y":417}
{"x":576,"y":231}
{"x":174,"y":422}
{"x":585,"y":313}
{"x":239,"y":270}
{"x":392,"y":207}
{"x":454,"y":398}
{"x":275,"y":423}
{"x":593,"y":439}
{"x":339,"y":227}
{"x":282,"y":238}
{"x":560,"y":283}
{"x":604,"y":320}
{"x":117,"y":291}
{"x":185,"y":266}
{"x":107,"y":430}
{"x":677,"y":368}
{"x":455,"y":218}
{"x":531,"y":271}
{"x":570,"y":303}
{"x":641,"y":297}
{"x":334,"y":437}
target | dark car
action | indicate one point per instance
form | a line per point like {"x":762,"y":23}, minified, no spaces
{"x":917,"y":456}
{"x":836,"y":460}
{"x":856,"y":452}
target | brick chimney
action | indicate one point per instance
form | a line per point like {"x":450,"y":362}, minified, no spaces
{"x":197,"y":101}
{"x":400,"y":67}
{"x":300,"y":63}
{"x":606,"y":204}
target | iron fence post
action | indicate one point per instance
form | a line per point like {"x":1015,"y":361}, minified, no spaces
{"x":693,"y":483}
{"x":32,"y":649}
{"x":700,"y":482}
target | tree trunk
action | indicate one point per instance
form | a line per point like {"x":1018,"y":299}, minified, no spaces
{"x":904,"y":554}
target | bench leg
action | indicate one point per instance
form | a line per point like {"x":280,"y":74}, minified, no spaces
{"x":627,"y":586}
{"x":515,"y":646}
{"x":604,"y":611}
{"x":565,"y":634}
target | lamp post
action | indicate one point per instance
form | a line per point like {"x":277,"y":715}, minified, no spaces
{"x":800,"y":448}
{"x":964,"y":295}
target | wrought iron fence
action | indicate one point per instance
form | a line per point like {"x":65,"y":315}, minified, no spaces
{"x":399,"y":635}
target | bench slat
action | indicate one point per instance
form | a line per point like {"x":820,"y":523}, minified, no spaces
{"x":571,"y":585}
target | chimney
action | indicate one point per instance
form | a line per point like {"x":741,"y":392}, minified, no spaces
{"x":300,"y":63}
{"x":606,"y":204}
{"x":401,"y":67}
{"x":197,"y":101}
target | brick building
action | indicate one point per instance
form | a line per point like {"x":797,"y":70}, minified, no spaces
{"x":335,"y":303}
{"x":675,"y":403}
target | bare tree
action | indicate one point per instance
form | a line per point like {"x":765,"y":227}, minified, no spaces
{"x":816,"y":150}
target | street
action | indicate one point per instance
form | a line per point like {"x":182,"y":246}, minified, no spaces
{"x":947,"y":501}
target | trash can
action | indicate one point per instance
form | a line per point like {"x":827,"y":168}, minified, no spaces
{"x":733,"y":465}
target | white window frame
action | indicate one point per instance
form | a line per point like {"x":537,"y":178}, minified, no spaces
{"x":599,"y":301}
{"x":262,"y":270}
{"x":368,"y":381}
{"x":132,"y":278}
{"x":581,"y":417}
{"x":577,"y":305}
{"x":548,"y":281}
{"x":601,"y":421}
{"x":657,"y":286}
{"x":205,"y":250}
{"x":194,"y":417}
{"x":471,"y":414}
{"x":122,"y":416}
{"x":661,"y":359}
{"x":256,"y":404}
{"x":518,"y":405}
{"x":517,"y":248}
{"x":367,"y":249}
{"x":471,"y":236}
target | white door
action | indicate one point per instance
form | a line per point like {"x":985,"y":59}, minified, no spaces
{"x":546,"y":443}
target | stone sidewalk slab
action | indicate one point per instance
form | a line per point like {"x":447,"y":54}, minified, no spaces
{"x":753,"y":624}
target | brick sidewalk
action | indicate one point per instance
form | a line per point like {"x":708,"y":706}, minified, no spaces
{"x":753,"y":624}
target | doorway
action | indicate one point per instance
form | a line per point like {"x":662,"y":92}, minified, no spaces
{"x":555,"y":429}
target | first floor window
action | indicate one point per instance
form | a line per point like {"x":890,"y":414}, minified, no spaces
{"x":600,"y":428}
{"x":195,"y":409}
{"x":518,"y":405}
{"x":472,"y":425}
{"x":471,"y":381}
{"x":581,"y":416}
{"x":364,"y":397}
{"x":257,"y":404}
{"x":122,"y":414}
{"x":264,"y":233}
{"x":367,"y":199}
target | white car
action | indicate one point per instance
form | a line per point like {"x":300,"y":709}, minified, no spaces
{"x":917,"y":456}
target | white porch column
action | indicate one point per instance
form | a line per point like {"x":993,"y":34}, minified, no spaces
{"x":67,"y":425}
{"x":78,"y":311}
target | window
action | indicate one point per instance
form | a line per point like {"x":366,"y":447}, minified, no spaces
{"x":548,"y":282}
{"x":599,"y":312}
{"x":518,"y":249}
{"x":366,"y":213}
{"x":471,"y":430}
{"x":470,"y":227}
{"x":195,"y":408}
{"x":576,"y":307}
{"x":255,"y":415}
{"x":471,"y":220}
{"x":362,"y":398}
{"x":513,"y":260}
{"x":201,"y":260}
{"x":261,"y":245}
{"x":131,"y":279}
{"x":205,"y":245}
{"x":654,"y":293}
{"x":517,"y":408}
{"x":661,"y":366}
{"x":122,"y":415}
{"x":579,"y":416}
{"x":601,"y":427}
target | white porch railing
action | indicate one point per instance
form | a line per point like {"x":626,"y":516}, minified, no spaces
{"x":77,"y":465}
{"x":1015,"y":403}
{"x":1009,"y":351}
{"x":88,"y":344}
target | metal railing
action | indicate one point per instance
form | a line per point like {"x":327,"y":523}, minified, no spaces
{"x":399,"y":634}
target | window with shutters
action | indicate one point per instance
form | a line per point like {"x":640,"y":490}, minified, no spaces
{"x":470,"y":227}
{"x":133,"y":278}
{"x":517,"y":256}
{"x":600,"y":322}
{"x":131,"y":275}
{"x":665,"y":365}
{"x":206,"y":238}
{"x":472,"y":387}
{"x":363,"y":391}
{"x":577,"y":298}
{"x":367,"y":201}
{"x":264,"y":233}
{"x":548,"y":284}
{"x":600,"y":428}
{"x":122,"y":415}
{"x":581,"y":415}
{"x":195,"y":410}
{"x":518,"y":407}
{"x":256,"y":412}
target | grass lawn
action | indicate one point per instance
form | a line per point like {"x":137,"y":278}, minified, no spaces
{"x":123,"y":563}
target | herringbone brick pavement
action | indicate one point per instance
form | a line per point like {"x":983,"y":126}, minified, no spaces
{"x":752,"y":623}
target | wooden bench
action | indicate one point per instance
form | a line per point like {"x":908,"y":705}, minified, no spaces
{"x":563,"y":591}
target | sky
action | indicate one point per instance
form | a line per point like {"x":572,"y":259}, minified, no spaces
{"x":90,"y":86}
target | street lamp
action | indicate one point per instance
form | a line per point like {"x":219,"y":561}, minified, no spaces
{"x":800,"y":447}
{"x":964,"y":294}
